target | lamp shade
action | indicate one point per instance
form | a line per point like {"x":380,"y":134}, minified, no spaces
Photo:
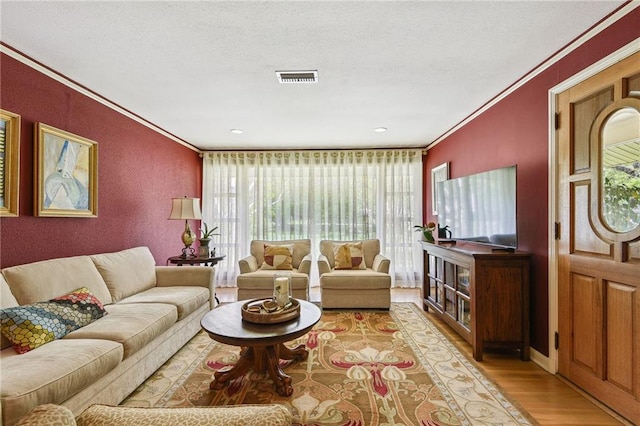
{"x":185,"y":208}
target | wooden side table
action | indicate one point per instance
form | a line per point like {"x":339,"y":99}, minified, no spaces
{"x":196,"y":260}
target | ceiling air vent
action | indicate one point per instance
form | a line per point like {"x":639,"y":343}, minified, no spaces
{"x":297,"y":77}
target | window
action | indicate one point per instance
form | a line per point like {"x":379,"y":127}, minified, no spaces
{"x":338,"y":195}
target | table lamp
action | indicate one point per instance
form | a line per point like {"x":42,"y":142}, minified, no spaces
{"x":186,"y":208}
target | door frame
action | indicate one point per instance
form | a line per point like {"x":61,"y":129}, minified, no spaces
{"x":550,"y":363}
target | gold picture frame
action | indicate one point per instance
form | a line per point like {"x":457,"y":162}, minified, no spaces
{"x":438,"y":174}
{"x":66,"y":174}
{"x":9,"y":164}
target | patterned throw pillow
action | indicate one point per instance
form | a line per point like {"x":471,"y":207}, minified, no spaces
{"x":30,"y":326}
{"x":278,"y":257}
{"x":348,"y":256}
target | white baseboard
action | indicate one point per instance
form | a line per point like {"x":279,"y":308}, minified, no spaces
{"x":546,"y":363}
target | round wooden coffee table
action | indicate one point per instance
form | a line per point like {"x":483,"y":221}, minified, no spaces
{"x":262,"y":344}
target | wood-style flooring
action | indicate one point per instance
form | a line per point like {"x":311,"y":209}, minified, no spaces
{"x":547,"y":398}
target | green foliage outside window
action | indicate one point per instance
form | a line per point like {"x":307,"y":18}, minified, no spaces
{"x":621,"y":197}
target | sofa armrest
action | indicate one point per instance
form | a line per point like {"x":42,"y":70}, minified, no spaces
{"x":323,"y":264}
{"x":305,"y":265}
{"x":171,"y":276}
{"x":381,"y":264}
{"x":248,"y":264}
{"x":194,"y":276}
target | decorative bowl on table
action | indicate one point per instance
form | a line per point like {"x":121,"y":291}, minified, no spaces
{"x":267,"y":311}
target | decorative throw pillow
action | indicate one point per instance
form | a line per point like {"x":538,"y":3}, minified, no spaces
{"x":30,"y":326}
{"x":278,"y":257}
{"x":348,"y":256}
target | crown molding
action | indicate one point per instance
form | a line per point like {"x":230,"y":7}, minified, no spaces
{"x":18,"y":56}
{"x":588,"y":35}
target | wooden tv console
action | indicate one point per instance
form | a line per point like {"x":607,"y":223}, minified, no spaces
{"x":481,"y":293}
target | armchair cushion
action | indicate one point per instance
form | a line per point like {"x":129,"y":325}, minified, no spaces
{"x":301,"y":248}
{"x":348,"y":256}
{"x":278,"y":257}
{"x":370,"y":248}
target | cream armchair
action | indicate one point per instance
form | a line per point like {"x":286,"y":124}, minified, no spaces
{"x":363,"y":283}
{"x":255,"y":281}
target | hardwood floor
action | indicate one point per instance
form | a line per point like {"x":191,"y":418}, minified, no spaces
{"x":547,"y":398}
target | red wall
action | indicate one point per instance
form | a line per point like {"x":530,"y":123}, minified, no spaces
{"x":139,"y":171}
{"x":515,"y":131}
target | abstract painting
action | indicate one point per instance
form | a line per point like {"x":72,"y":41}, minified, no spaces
{"x":9,"y":163}
{"x":66,"y":174}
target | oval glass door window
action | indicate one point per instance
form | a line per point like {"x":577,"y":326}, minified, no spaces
{"x":621,"y":170}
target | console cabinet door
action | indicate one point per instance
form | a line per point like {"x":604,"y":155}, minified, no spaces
{"x":599,"y":248}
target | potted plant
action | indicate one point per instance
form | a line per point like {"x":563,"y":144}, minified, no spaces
{"x":205,"y":238}
{"x":427,"y":231}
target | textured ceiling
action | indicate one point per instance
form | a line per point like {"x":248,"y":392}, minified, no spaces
{"x":199,"y":69}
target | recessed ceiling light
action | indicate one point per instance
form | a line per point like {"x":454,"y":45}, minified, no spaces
{"x":380,"y":129}
{"x":237,"y":131}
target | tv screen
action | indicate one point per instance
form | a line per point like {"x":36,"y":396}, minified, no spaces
{"x":480,"y":208}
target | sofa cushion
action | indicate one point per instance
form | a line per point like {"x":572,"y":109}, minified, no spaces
{"x":38,"y":281}
{"x":185,"y":299}
{"x":30,"y":326}
{"x":57,"y":371}
{"x":7,"y":300}
{"x":236,"y":415}
{"x":131,"y":325}
{"x":278,"y":257}
{"x":126,"y":272}
{"x":348,"y":256}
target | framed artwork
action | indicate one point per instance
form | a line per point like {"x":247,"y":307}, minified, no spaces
{"x":9,"y":163}
{"x":438,"y":174}
{"x":66,"y":174}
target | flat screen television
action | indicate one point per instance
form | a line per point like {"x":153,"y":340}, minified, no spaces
{"x":480,"y":208}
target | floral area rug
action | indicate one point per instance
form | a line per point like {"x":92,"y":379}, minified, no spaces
{"x":364,"y":368}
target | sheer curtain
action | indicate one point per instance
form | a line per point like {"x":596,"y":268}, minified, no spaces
{"x":340,"y":195}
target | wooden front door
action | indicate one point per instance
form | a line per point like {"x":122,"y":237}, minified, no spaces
{"x":599,"y":248}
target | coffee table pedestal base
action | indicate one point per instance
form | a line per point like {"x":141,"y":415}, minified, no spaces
{"x":261,"y":359}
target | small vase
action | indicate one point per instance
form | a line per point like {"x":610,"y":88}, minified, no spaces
{"x":204,"y":247}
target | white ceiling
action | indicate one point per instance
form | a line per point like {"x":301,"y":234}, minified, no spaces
{"x":200,"y":68}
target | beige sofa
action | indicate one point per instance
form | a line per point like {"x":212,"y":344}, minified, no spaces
{"x":102,"y":415}
{"x":255,"y":282}
{"x":152,"y":311}
{"x":355,"y":288}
